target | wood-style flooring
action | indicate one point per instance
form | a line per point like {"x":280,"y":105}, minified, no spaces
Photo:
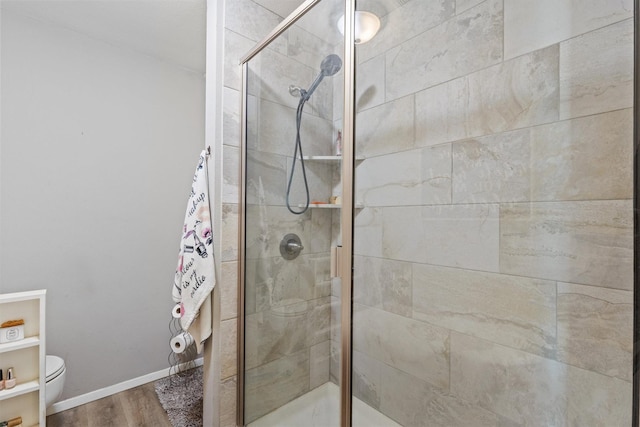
{"x":136,"y":407}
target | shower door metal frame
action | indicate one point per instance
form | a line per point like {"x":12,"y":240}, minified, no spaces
{"x":347,"y":208}
{"x":636,"y":218}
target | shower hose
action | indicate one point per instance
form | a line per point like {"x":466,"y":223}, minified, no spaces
{"x":298,"y":148}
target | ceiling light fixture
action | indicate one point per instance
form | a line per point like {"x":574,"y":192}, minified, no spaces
{"x":367,"y":26}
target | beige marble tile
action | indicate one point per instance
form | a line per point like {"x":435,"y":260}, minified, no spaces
{"x":334,"y":368}
{"x":228,"y":290}
{"x":253,"y":21}
{"x":273,"y":334}
{"x":464,"y":44}
{"x":404,"y":23}
{"x":319,"y":359}
{"x":320,"y":236}
{"x":252,"y":281}
{"x":417,"y":348}
{"x":279,"y":282}
{"x":321,"y":103}
{"x":319,"y":180}
{"x":335,"y":334}
{"x":517,"y":93}
{"x":595,"y":329}
{"x":402,"y":234}
{"x":231,"y":107}
{"x":229,"y":249}
{"x":235,"y":47}
{"x":514,"y":311}
{"x":266,"y":178}
{"x":382,"y":283}
{"x":335,"y":319}
{"x":533,"y":24}
{"x":443,"y":113}
{"x":230,"y":174}
{"x":309,"y":49}
{"x":368,"y":232}
{"x":229,"y":344}
{"x":413,"y":402}
{"x":277,"y":131}
{"x":273,"y":73}
{"x":588,"y":243}
{"x":253,"y":121}
{"x":228,"y":399}
{"x":588,"y":158}
{"x":370,"y":83}
{"x":267,"y":225}
{"x":406,"y":178}
{"x":322,"y":21}
{"x":286,"y":329}
{"x":569,"y":160}
{"x":596,"y":71}
{"x":496,"y":168}
{"x":322,"y":273}
{"x":270,"y":386}
{"x":385,"y":129}
{"x":534,"y":391}
{"x":319,"y":321}
{"x":366,"y":380}
{"x":280,"y":7}
{"x":306,"y":47}
{"x":465,"y":236}
{"x":462,"y":5}
{"x":337,"y":82}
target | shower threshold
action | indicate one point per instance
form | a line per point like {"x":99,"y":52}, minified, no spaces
{"x":320,"y":408}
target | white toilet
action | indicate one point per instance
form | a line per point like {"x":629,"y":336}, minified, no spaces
{"x":56,"y":373}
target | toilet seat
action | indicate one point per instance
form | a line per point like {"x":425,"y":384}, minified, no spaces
{"x":54,"y":367}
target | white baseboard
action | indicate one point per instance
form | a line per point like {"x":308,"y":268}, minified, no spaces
{"x":113,"y":389}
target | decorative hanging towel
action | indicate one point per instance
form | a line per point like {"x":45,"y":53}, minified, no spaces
{"x":195,"y":275}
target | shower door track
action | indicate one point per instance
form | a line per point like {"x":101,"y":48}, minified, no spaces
{"x":347,"y":210}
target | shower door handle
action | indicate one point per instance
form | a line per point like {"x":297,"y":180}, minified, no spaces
{"x":336,"y":254}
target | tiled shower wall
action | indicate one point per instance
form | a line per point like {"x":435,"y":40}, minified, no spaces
{"x":494,"y":255}
{"x":496,"y":244}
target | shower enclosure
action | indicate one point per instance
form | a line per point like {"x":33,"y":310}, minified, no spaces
{"x":440,"y":230}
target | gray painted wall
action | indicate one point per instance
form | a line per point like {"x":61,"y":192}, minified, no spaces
{"x":98,"y":146}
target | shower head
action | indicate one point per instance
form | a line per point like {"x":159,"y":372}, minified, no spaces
{"x":330,"y":65}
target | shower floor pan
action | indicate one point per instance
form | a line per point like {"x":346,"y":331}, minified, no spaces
{"x":320,"y":408}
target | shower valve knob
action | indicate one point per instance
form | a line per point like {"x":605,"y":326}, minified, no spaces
{"x":290,"y":246}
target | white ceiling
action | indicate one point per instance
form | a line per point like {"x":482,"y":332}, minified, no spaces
{"x":280,"y":7}
{"x":171,"y":30}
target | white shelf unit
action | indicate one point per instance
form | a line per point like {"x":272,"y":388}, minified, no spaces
{"x":26,"y":357}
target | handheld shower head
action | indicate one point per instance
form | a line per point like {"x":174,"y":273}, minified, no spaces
{"x":330,"y":65}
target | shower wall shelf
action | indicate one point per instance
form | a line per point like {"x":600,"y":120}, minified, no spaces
{"x":328,"y":158}
{"x":27,"y":358}
{"x":329,"y":206}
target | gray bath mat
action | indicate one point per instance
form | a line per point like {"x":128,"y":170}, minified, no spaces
{"x":181,"y":396}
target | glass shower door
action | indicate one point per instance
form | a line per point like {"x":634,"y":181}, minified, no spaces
{"x":493,"y":258}
{"x":292,"y":219}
